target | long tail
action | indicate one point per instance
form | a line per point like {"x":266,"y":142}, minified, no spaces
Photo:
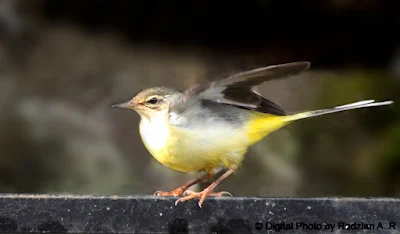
{"x":356,"y":105}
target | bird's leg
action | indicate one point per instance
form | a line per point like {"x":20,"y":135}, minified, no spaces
{"x":207,"y":191}
{"x":179,"y":191}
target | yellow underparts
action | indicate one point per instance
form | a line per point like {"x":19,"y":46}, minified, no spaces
{"x":260,"y":125}
{"x":206,"y":150}
{"x":190,"y":151}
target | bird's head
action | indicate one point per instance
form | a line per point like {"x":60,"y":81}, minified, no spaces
{"x":150,"y":102}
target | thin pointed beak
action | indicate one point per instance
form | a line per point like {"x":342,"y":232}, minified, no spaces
{"x":125,"y":105}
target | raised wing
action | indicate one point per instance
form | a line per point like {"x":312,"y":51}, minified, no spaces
{"x":237,"y":90}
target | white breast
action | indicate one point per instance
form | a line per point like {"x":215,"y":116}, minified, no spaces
{"x":154,"y":134}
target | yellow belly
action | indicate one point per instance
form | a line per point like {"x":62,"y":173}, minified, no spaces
{"x":206,"y":148}
{"x":260,"y":125}
{"x":200,"y":149}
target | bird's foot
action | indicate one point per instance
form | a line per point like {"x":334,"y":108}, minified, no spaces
{"x":189,"y":194}
{"x":174,"y":193}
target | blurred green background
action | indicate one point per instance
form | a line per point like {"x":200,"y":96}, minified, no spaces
{"x":63,"y":63}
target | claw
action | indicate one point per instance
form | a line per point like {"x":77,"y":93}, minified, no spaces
{"x":226,"y":193}
{"x":219,"y":194}
{"x":206,"y":192}
{"x":179,"y":191}
{"x":177,"y":201}
{"x":157,"y":193}
{"x":189,"y":194}
{"x":174,"y":193}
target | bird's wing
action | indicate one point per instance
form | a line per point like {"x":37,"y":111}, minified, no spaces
{"x":237,"y":90}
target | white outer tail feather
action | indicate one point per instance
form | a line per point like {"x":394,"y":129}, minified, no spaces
{"x":355,"y":105}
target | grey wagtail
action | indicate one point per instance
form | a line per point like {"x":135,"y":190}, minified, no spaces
{"x":210,"y":126}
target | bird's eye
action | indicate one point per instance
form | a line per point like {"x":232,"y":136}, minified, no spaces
{"x":153,"y":100}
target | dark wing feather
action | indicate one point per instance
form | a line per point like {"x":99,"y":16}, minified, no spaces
{"x":249,"y":100}
{"x":237,"y":90}
{"x":260,"y":75}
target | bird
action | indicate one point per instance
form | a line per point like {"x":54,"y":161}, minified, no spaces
{"x":209,"y":127}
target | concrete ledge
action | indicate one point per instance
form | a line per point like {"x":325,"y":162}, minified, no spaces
{"x":134,"y":214}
